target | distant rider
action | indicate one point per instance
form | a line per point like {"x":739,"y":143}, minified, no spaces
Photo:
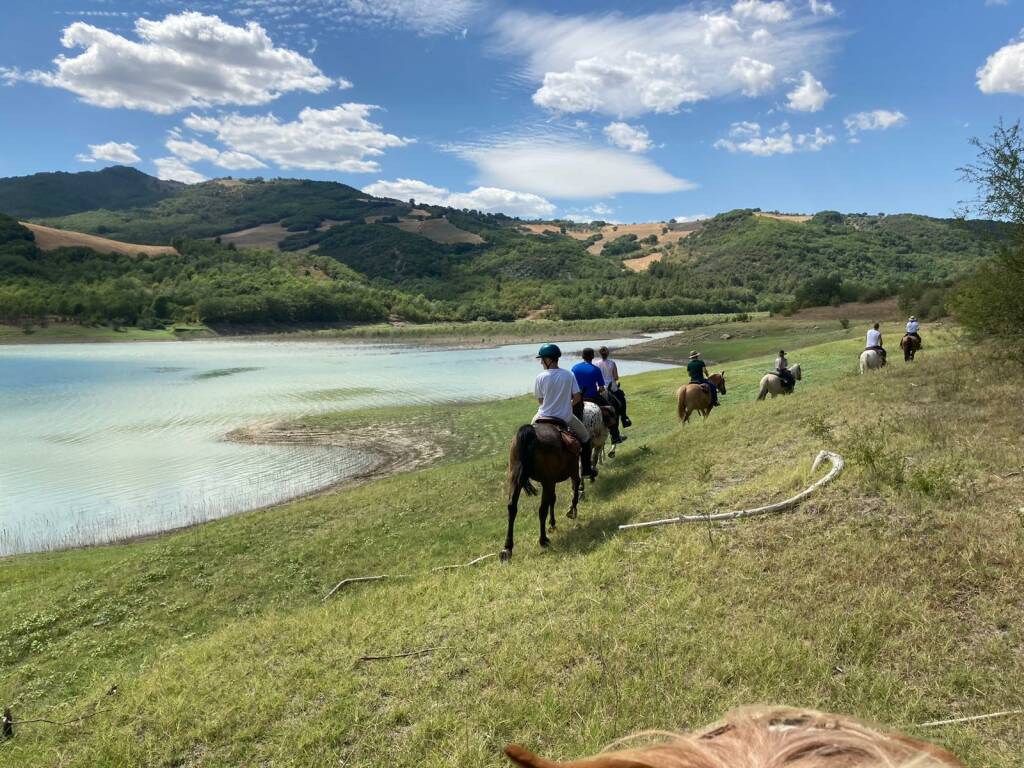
{"x":698,"y":375}
{"x":591,"y":382}
{"x":783,"y":372}
{"x":914,"y":329}
{"x":557,"y":392}
{"x":874,"y":341}
{"x":610,"y":371}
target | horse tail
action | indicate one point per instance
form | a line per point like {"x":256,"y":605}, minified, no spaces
{"x":681,"y":403}
{"x":519,"y":476}
{"x":764,"y":389}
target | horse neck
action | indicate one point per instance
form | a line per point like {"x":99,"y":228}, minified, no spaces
{"x":716,"y":379}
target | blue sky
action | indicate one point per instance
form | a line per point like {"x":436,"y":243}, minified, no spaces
{"x":627,"y":112}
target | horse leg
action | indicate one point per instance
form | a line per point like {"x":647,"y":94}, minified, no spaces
{"x":551,"y":511}
{"x":545,"y":499}
{"x":575,"y":496}
{"x":513,"y":508}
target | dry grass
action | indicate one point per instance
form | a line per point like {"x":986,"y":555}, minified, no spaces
{"x":262,"y":236}
{"x":642,"y":263}
{"x":795,"y":218}
{"x":49,"y":239}
{"x":438,"y":230}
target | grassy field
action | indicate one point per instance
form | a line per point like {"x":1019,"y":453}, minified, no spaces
{"x":895,"y":595}
{"x":58,"y":333}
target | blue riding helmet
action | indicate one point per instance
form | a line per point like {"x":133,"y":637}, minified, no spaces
{"x":550,"y":350}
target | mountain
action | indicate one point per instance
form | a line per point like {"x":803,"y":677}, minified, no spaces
{"x":58,"y":194}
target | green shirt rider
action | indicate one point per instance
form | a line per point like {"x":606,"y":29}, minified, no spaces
{"x":698,"y":375}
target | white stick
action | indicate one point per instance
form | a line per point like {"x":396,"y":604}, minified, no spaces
{"x":837,"y":466}
{"x":464,"y":565}
{"x":989,"y":716}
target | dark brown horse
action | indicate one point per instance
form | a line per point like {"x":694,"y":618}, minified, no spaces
{"x":696,"y":397}
{"x":910,"y":344}
{"x":539,"y":453}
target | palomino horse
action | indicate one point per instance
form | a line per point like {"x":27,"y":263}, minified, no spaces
{"x":871,"y":360}
{"x":694,"y":397}
{"x":538,"y":453}
{"x":771,"y":384}
{"x":910,"y":345}
{"x":598,"y":422}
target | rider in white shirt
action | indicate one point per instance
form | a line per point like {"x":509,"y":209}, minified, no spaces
{"x":557,"y":391}
{"x":913,"y":327}
{"x":610,"y":371}
{"x":874,"y":341}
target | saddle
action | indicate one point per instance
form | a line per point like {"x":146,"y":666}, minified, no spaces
{"x":569,"y":440}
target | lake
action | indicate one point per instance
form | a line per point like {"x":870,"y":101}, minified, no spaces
{"x":103,"y":441}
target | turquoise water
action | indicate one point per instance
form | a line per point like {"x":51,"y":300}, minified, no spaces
{"x":103,"y":441}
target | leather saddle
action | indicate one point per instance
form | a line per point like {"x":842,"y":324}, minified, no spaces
{"x":569,"y":440}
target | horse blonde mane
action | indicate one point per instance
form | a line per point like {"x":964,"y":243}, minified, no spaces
{"x":765,"y":737}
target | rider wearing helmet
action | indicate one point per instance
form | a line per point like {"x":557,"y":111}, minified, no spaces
{"x":610,"y":371}
{"x":783,"y":372}
{"x":698,"y":375}
{"x":557,"y":391}
{"x":592,"y":387}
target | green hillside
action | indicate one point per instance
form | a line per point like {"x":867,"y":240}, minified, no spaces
{"x":58,"y":194}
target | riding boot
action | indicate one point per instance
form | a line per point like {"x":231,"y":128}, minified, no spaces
{"x":587,"y":460}
{"x":616,"y":435}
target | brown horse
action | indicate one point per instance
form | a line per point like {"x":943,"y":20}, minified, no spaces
{"x":910,"y":345}
{"x":694,"y":397}
{"x":538,"y":453}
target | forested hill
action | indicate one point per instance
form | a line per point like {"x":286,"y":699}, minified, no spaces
{"x":57,"y":194}
{"x":286,"y":250}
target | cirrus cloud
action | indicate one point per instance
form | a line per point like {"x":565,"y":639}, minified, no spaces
{"x":185,"y":60}
{"x":111,"y":152}
{"x":486,"y":199}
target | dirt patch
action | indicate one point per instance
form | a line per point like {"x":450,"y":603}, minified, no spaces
{"x":438,"y":230}
{"x":48,"y":239}
{"x":876,"y":310}
{"x":396,"y":447}
{"x":792,"y":217}
{"x":642,"y":263}
{"x":613,"y":231}
{"x":229,"y":182}
{"x":263,"y":236}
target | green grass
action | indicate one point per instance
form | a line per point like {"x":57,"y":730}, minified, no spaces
{"x":56,"y":333}
{"x":894,"y":595}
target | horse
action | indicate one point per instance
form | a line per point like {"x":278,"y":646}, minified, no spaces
{"x":539,"y":453}
{"x":871,"y":360}
{"x":599,"y":422}
{"x":910,"y":345}
{"x":694,"y":397}
{"x":771,"y":384}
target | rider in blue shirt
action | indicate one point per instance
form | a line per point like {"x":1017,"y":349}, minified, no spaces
{"x":591,"y":382}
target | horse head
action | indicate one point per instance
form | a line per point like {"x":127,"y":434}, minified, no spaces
{"x":795,"y":370}
{"x":718,"y":379}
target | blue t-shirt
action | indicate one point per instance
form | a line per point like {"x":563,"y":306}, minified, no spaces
{"x":589,"y":377}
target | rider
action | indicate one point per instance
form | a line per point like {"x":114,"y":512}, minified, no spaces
{"x":698,"y":375}
{"x":914,"y":329}
{"x":557,"y":392}
{"x":610,"y":371}
{"x":783,"y":372}
{"x":591,"y":382}
{"x":874,"y":341}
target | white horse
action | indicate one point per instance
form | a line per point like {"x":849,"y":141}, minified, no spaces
{"x":870,"y":360}
{"x":771,"y":384}
{"x":593,"y":420}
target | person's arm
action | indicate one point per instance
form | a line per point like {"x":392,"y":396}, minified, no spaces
{"x":600,"y":379}
{"x":576,"y":398}
{"x":536,"y":391}
{"x":615,"y":371}
{"x":577,"y":393}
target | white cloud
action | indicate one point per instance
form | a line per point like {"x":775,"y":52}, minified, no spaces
{"x":185,"y":60}
{"x":111,"y":152}
{"x":1003,"y":71}
{"x":195,"y":151}
{"x":173,"y":169}
{"x":748,"y":138}
{"x":338,"y":139}
{"x":876,"y":120}
{"x":626,"y":66}
{"x":753,"y":75}
{"x":822,"y":8}
{"x":424,"y":17}
{"x":760,"y":10}
{"x":629,"y":137}
{"x":692,"y":218}
{"x":809,"y":96}
{"x":487,"y":199}
{"x":564,"y":168}
{"x":997,"y":2}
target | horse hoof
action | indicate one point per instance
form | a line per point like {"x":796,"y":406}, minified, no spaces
{"x":551,"y":529}
{"x":506,"y":555}
{"x":571,"y":514}
{"x":545,"y":541}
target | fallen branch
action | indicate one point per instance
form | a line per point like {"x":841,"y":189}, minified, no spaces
{"x":463,"y":565}
{"x":837,"y":466}
{"x":352,"y":580}
{"x":420,"y":652}
{"x":989,"y":716}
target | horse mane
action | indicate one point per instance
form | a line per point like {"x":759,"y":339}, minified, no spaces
{"x":766,"y":737}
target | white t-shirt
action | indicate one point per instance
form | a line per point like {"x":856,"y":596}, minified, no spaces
{"x":607,"y":368}
{"x":913,"y":326}
{"x":555,"y":386}
{"x":874,"y":338}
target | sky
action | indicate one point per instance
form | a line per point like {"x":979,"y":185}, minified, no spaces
{"x":584,"y":110}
